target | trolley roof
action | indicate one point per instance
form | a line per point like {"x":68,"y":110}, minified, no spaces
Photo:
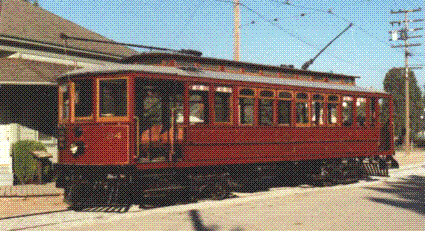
{"x":186,"y":72}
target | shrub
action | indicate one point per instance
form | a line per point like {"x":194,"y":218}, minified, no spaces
{"x":24,"y":163}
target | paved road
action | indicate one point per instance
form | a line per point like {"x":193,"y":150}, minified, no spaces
{"x":395,"y":203}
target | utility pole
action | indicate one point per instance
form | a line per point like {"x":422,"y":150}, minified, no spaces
{"x":403,"y":35}
{"x":236,"y":30}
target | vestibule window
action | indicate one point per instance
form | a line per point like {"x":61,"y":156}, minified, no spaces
{"x":113,"y":97}
{"x":64,"y":102}
{"x":333,"y":104}
{"x":302,"y":110}
{"x":83,"y":100}
{"x":373,"y":111}
{"x":284,"y":108}
{"x":198,"y":104}
{"x":246,"y":106}
{"x":361,"y":111}
{"x":266,"y":107}
{"x":152,"y":106}
{"x":384,"y":110}
{"x":222,"y":104}
{"x":347,"y":110}
{"x":317,"y":109}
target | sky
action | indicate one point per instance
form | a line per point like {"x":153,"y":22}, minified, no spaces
{"x":281,"y":33}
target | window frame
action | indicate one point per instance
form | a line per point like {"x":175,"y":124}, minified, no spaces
{"x":308,"y":101}
{"x":338,"y":110}
{"x":208,"y":108}
{"x":73,"y":93}
{"x":291,"y":100}
{"x":273,"y":99}
{"x":353,"y":110}
{"x":230,"y":104}
{"x":97,"y":108}
{"x":61,"y":119}
{"x":324,"y":115}
{"x":253,"y":97}
{"x":366,"y":108}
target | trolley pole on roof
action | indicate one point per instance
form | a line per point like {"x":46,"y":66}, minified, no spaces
{"x":236,"y":30}
{"x":403,"y":35}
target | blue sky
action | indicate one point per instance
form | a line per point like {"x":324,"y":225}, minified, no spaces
{"x":207,"y":26}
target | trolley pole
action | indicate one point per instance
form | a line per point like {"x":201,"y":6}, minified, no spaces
{"x":236,"y":30}
{"x":403,"y":35}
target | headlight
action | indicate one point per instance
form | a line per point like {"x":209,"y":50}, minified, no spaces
{"x":77,"y":148}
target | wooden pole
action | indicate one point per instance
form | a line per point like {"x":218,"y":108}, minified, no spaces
{"x":236,"y":30}
{"x":406,"y":63}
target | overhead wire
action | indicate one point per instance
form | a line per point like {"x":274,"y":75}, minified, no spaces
{"x":292,"y":34}
{"x":186,"y":23}
{"x":337,"y":16}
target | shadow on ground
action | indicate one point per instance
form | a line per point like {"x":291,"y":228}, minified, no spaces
{"x":410,"y":193}
{"x":199,"y":225}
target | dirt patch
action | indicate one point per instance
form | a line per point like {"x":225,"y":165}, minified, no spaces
{"x":11,"y":207}
{"x":416,"y":156}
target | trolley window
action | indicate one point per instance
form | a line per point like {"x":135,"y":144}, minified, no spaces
{"x":83,"y":99}
{"x":284,"y":108}
{"x":373,"y":111}
{"x":266,"y":108}
{"x":317,"y":109}
{"x":63,"y":102}
{"x":198,"y":104}
{"x":113,"y":97}
{"x":347,"y":110}
{"x":246,"y":106}
{"x":361,"y":111}
{"x":152,"y":106}
{"x":222,"y":104}
{"x":384,"y":114}
{"x":285,"y":95}
{"x":302,"y":109}
{"x":267,"y":94}
{"x":333,"y":104}
{"x":247,"y":92}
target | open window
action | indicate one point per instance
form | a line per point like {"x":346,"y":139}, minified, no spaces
{"x":302,"y":109}
{"x":284,"y":106}
{"x":198,"y":104}
{"x":333,"y":108}
{"x":347,"y":110}
{"x":112,"y":98}
{"x":361,"y":111}
{"x":246,"y":106}
{"x":317,"y":113}
{"x":223,"y":104}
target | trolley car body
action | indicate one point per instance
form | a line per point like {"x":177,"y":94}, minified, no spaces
{"x":208,"y":118}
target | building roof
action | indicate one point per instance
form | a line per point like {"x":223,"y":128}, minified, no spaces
{"x":18,"y":71}
{"x":151,"y":57}
{"x":20,"y":19}
{"x":140,"y":68}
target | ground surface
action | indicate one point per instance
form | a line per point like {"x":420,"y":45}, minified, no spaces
{"x":395,"y":203}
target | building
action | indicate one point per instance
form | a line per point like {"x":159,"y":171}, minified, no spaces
{"x":32,"y":55}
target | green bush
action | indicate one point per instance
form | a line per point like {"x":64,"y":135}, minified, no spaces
{"x":24,"y":163}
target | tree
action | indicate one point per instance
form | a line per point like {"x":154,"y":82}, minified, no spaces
{"x":394,"y":83}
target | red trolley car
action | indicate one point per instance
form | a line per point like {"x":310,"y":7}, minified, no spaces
{"x":167,"y":122}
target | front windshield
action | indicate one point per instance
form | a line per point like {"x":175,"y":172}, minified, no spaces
{"x":83,"y":100}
